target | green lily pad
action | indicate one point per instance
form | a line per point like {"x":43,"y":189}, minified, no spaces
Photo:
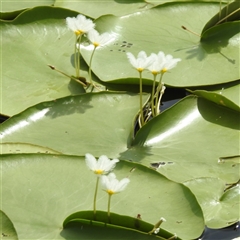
{"x":116,"y":221}
{"x":23,"y":148}
{"x":92,"y":122}
{"x":223,"y":94}
{"x":68,"y":186}
{"x":30,"y":44}
{"x":219,"y":207}
{"x":10,"y":10}
{"x":219,"y":98}
{"x":185,"y":138}
{"x":7,"y":229}
{"x":152,"y":31}
{"x":98,"y":8}
{"x":43,"y":38}
{"x":188,"y":141}
{"x":231,"y":12}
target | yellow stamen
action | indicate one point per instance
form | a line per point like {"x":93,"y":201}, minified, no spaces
{"x":78,"y":32}
{"x":98,"y":171}
{"x":110,"y":192}
{"x":154,"y":72}
{"x":140,"y":69}
{"x":96,"y":44}
{"x":164,"y":70}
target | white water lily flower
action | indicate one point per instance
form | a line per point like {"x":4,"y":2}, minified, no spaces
{"x":101,"y":166}
{"x":170,"y":63}
{"x":111,"y":185}
{"x":142,"y":61}
{"x":80,"y":24}
{"x":99,"y":39}
{"x":158,"y":64}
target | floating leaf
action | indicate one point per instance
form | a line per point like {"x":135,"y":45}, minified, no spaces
{"x":136,"y":32}
{"x":10,"y":10}
{"x":220,"y":208}
{"x":23,"y":148}
{"x":46,"y":189}
{"x":217,"y":98}
{"x":229,"y":13}
{"x":95,"y":9}
{"x":117,"y":222}
{"x":92,"y":122}
{"x":7,"y":229}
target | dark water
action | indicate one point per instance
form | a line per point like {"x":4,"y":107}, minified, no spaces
{"x":222,"y":234}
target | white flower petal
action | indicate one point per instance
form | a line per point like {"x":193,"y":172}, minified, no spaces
{"x":101,"y":166}
{"x":157,"y":62}
{"x":111,"y":184}
{"x":80,"y":24}
{"x":91,"y":161}
{"x":142,"y":55}
{"x":132,"y":59}
{"x":99,"y":39}
{"x":141,"y":62}
{"x":170,"y":62}
{"x":106,"y":164}
{"x":71,"y":23}
{"x":93,"y":35}
{"x":122,"y":185}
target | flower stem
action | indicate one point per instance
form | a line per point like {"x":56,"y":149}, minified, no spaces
{"x":71,"y":77}
{"x":157,"y":95}
{"x":109,"y":203}
{"x":95,"y":198}
{"x":90,"y":65}
{"x":153,"y":96}
{"x":141,"y":104}
{"x":78,"y":55}
{"x":75,"y":56}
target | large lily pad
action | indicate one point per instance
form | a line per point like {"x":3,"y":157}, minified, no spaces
{"x":23,"y":148}
{"x":216,"y":204}
{"x":153,"y":31}
{"x":7,"y":229}
{"x":95,"y":9}
{"x":92,"y":122}
{"x":9,"y":9}
{"x":98,"y":8}
{"x":39,"y":36}
{"x":188,"y":141}
{"x":30,"y":43}
{"x":48,"y":188}
{"x":195,"y":135}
